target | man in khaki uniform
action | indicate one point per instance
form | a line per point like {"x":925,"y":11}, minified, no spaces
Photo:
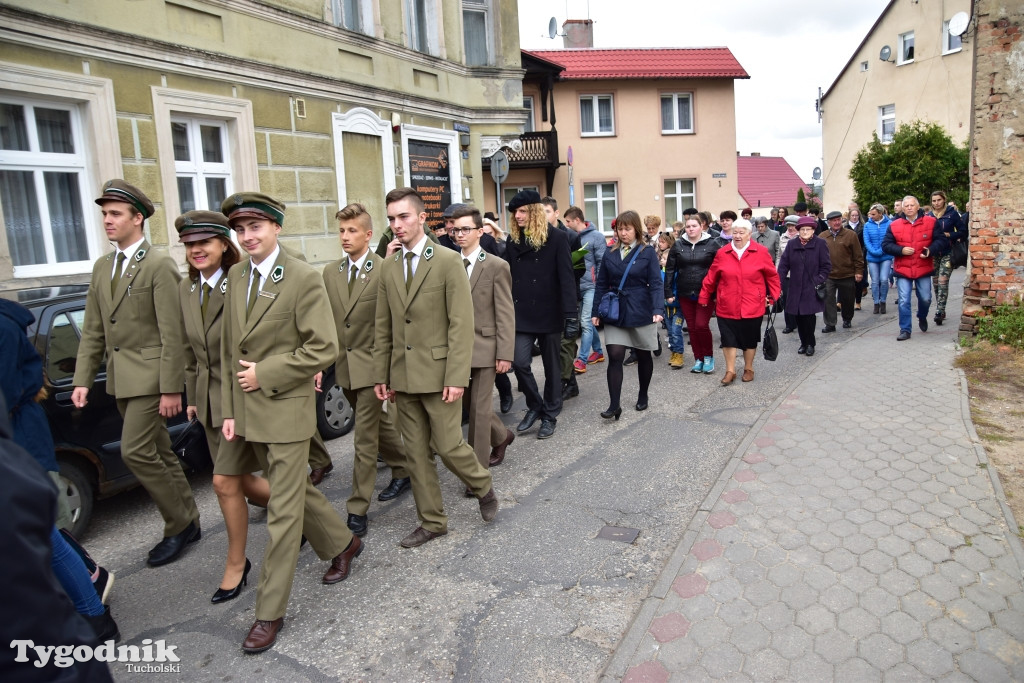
{"x":352,"y":289}
{"x":494,"y":340}
{"x":421,"y":355}
{"x":132,"y":315}
{"x":276,"y":337}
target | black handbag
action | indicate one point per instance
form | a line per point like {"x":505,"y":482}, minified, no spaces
{"x":958,"y":255}
{"x":609,"y":308}
{"x":770,"y":344}
{"x":819,"y":291}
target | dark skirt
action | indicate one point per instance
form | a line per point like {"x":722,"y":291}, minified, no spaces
{"x":740,"y":333}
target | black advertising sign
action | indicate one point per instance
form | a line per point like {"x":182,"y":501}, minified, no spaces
{"x":430,"y":175}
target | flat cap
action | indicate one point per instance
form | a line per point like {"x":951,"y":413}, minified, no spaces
{"x":807,"y":220}
{"x":792,"y":219}
{"x":833,"y":214}
{"x":524,"y":198}
{"x":117,"y":190}
{"x":452,"y":208}
{"x":193,"y":226}
{"x":252,"y":205}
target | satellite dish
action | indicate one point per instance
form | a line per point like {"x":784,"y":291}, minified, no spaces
{"x":553,"y":27}
{"x":816,"y":173}
{"x":958,"y":24}
{"x":885,"y":53}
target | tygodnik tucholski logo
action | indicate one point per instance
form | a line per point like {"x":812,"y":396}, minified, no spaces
{"x":150,"y":657}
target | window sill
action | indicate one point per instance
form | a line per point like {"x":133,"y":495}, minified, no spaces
{"x":677,"y":132}
{"x":597,"y":135}
{"x":953,"y":52}
{"x":909,"y":61}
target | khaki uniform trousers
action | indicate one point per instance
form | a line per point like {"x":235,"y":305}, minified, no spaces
{"x":318,"y":455}
{"x":486,"y":430}
{"x":146,"y":450}
{"x":374,"y":433}
{"x":426,"y":421}
{"x":296,"y":507}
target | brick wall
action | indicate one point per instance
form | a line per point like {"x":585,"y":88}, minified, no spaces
{"x":996,"y":272}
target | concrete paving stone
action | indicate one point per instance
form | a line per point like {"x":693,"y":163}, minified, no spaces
{"x":820,"y":577}
{"x":736,"y":552}
{"x":985,"y":598}
{"x":925,"y":519}
{"x":669,"y":627}
{"x":678,"y":654}
{"x":906,"y":506}
{"x":799,"y":596}
{"x":918,"y":495}
{"x":805,"y":557}
{"x":721,"y":660}
{"x":875,"y":529}
{"x":759,"y":538}
{"x":858,"y":622}
{"x":955,"y":677}
{"x":963,"y":525}
{"x":877,"y":561}
{"x":979,"y":515}
{"x":784,"y":575}
{"x":766,"y":665}
{"x":920,"y":606}
{"x":856,"y":671}
{"x":792,"y":642}
{"x":940,"y":588}
{"x":858,"y":579}
{"x":750,"y":637}
{"x":838,"y":598}
{"x":897,"y":582}
{"x":954,"y":500}
{"x":957,"y":574}
{"x":707,"y":549}
{"x":1006,"y":563}
{"x":989,"y":546}
{"x":715,"y":569}
{"x":890,"y":517}
{"x":894,"y":545}
{"x":845,"y":503}
{"x":859,"y":516}
{"x":824,"y":540}
{"x":973,"y":493}
{"x":709,"y":632}
{"x":810,"y":525}
{"x":1011,"y":621}
{"x":776,"y":519}
{"x":842,"y":527}
{"x":700,"y":607}
{"x":811,"y":667}
{"x":878,"y":601}
{"x":940,"y":509}
{"x":915,"y":565}
{"x":745,"y":475}
{"x":835,"y":646}
{"x":690,"y":585}
{"x":948,"y":537}
{"x":735,"y":496}
{"x":840,"y":559}
{"x":749,"y":572}
{"x":791,"y":540}
{"x":969,"y":615}
{"x":983,"y":667}
{"x":729,"y":536}
{"x":775,"y":616}
{"x":761,"y":593}
{"x":950,"y":635}
{"x":858,"y":543}
{"x":647,"y":672}
{"x":904,"y":673}
{"x":736,"y":613}
{"x":901,"y":628}
{"x":881,"y":651}
{"x":725,"y":590}
{"x":876,"y":484}
{"x":930,"y":658}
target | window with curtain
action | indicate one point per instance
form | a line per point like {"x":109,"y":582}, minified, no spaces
{"x":528,"y":106}
{"x":677,"y":113}
{"x":421,"y":26}
{"x":601,"y":204}
{"x":906,"y":46}
{"x":886,"y":122}
{"x":347,"y":14}
{"x":202,"y":166}
{"x":596,"y":115}
{"x":43,"y":183}
{"x":476,"y":32}
{"x":679,"y":196}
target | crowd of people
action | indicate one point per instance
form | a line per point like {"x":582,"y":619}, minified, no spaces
{"x":418,"y":331}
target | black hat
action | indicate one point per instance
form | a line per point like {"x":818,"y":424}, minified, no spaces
{"x":117,"y":190}
{"x":524,"y":198}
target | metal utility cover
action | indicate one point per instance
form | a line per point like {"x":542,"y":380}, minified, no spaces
{"x":618,"y":533}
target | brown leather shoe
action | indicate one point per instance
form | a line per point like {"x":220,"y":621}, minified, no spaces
{"x":489,"y":505}
{"x":420,"y":536}
{"x":748,"y":375}
{"x":262,"y":635}
{"x":317,"y":475}
{"x":729,"y":377}
{"x":498,"y":452}
{"x":341,"y":564}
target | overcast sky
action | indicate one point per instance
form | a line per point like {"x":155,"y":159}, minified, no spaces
{"x":790,"y":48}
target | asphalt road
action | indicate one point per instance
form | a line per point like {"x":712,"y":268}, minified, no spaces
{"x":533,"y":596}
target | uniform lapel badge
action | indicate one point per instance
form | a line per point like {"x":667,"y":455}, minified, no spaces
{"x":343,"y":266}
{"x":193,"y":287}
{"x":277,"y":274}
{"x":368,"y":266}
{"x":482,"y":256}
{"x":140,"y":254}
{"x":224,"y":286}
{"x":428,"y":253}
{"x":398,"y":256}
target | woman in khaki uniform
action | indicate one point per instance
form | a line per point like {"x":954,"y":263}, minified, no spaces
{"x":210,"y":253}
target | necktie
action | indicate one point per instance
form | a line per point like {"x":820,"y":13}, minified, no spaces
{"x":625,"y":250}
{"x":352,"y":278}
{"x":254,"y":291}
{"x":117,"y":272}
{"x":408,"y":270}
{"x":465,"y":262}
{"x":206,"y":299}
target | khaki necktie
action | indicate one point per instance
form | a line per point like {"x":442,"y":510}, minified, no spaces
{"x":206,"y":299}
{"x":254,"y":291}
{"x":352,"y":277}
{"x":465,"y":262}
{"x":117,"y":272}
{"x":408,"y":270}
{"x":625,"y":250}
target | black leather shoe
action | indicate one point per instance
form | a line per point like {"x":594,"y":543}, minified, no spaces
{"x":788,"y":330}
{"x":810,"y":351}
{"x":923,"y":324}
{"x":357,"y":524}
{"x":940,"y":317}
{"x":505,"y":403}
{"x":223,"y":595}
{"x":396,"y":488}
{"x":529,"y":419}
{"x":904,"y":335}
{"x":104,"y":626}
{"x":630,"y":358}
{"x":570,"y":389}
{"x":847,"y":324}
{"x":168,"y":550}
{"x":641,"y":403}
{"x":547,"y":429}
{"x":828,"y":328}
{"x":802,"y":350}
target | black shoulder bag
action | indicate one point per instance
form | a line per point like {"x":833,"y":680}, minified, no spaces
{"x":608,"y":309}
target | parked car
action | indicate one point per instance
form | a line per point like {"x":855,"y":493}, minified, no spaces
{"x":88,"y":441}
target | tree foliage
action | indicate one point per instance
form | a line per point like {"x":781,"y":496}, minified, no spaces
{"x":920,"y":159}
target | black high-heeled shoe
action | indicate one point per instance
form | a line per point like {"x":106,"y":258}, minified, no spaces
{"x":641,"y":404}
{"x":223,"y":595}
{"x":612,"y":413}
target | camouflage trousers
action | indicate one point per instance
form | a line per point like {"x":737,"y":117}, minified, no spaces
{"x":940,"y":283}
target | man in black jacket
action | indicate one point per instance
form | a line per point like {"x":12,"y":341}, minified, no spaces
{"x":544,"y":295}
{"x":570,"y":389}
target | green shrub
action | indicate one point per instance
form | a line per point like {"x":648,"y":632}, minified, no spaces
{"x":1004,"y":325}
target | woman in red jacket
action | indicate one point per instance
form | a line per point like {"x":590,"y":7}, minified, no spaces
{"x":742,"y":279}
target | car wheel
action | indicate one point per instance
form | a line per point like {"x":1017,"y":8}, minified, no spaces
{"x":81,"y":495}
{"x":334,"y":415}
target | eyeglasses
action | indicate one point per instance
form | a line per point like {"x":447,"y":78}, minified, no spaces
{"x":462,"y":231}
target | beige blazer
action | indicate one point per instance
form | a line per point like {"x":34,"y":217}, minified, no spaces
{"x":354,"y":319}
{"x":202,"y":349}
{"x":139,"y":327}
{"x":290,"y":336}
{"x":494,"y":314}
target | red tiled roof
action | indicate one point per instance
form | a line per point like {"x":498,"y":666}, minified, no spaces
{"x":604,"y":64}
{"x":768,"y":180}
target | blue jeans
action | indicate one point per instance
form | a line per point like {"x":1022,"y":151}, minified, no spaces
{"x":674,"y":323}
{"x":591,"y":340}
{"x":923,"y":286}
{"x":74,"y":577}
{"x":879,"y":275}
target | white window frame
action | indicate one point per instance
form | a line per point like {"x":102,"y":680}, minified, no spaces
{"x":593,"y":207}
{"x":675,"y":129}
{"x":481,"y":7}
{"x":531,"y":121}
{"x":363,"y":121}
{"x":364,"y":22}
{"x":196,"y":167}
{"x":94,"y":98}
{"x":425,"y":134}
{"x":235,"y":113}
{"x":431,"y":23}
{"x":863,"y":66}
{"x":947,"y":41}
{"x":884,"y":116}
{"x":595,"y":100}
{"x":901,"y":45}
{"x":678,"y":195}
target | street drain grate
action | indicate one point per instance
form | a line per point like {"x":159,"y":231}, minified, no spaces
{"x":618,"y":533}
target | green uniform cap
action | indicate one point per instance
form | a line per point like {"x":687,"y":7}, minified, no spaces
{"x":252,"y":205}
{"x":117,"y":190}
{"x":193,"y":226}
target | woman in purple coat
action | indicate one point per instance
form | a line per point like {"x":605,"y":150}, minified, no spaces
{"x":806,"y":262}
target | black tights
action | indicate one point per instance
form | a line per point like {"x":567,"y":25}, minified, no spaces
{"x":644,"y":366}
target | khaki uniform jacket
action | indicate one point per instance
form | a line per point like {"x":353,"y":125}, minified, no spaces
{"x":424,"y":338}
{"x":139,"y":328}
{"x":354,"y":317}
{"x":202,"y":349}
{"x":290,"y":337}
{"x":494,"y":314}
